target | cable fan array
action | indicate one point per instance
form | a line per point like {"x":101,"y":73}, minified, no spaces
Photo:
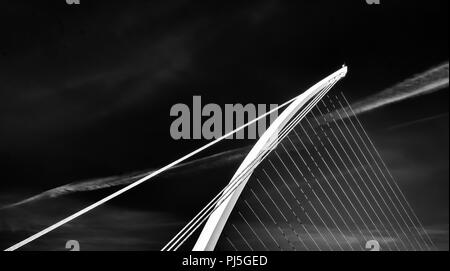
{"x":325,"y":187}
{"x":278,"y":130}
{"x":313,"y":181}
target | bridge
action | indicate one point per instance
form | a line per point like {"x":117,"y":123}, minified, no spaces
{"x":313,"y":181}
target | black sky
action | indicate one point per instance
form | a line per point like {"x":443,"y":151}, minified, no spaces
{"x":86,"y":90}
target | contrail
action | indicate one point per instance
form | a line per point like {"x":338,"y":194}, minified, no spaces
{"x":430,"y":81}
{"x":208,"y":162}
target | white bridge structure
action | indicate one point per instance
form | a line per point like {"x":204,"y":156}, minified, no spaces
{"x":219,"y":209}
{"x":367,"y":206}
{"x":348,"y":204}
{"x":294,"y":113}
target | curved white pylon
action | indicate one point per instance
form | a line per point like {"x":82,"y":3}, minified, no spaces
{"x":216,"y":222}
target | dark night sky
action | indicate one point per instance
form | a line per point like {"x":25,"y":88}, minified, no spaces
{"x":86,"y":90}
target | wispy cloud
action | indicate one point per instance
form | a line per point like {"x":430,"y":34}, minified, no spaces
{"x":430,"y":81}
{"x":427,"y":82}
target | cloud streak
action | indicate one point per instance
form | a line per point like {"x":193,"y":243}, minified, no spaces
{"x":212,"y":161}
{"x":428,"y":82}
